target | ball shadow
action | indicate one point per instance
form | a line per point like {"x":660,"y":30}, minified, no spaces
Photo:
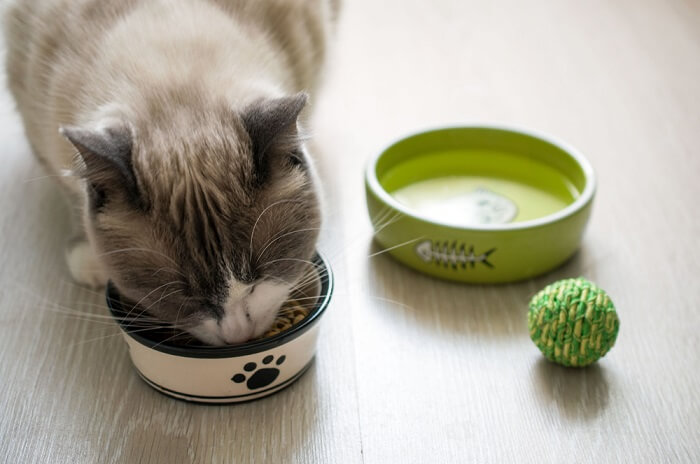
{"x":579,"y":394}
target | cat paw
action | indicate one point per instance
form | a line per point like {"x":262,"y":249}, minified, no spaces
{"x":84,"y":265}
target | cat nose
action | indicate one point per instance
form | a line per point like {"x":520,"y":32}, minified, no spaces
{"x":230,"y":340}
{"x":232,"y":330}
{"x":234,"y":339}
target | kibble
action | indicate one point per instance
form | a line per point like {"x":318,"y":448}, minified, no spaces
{"x":291,"y":313}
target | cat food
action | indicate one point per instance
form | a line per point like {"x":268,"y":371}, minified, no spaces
{"x":290,"y":314}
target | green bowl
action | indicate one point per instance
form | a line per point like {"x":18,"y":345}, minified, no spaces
{"x":479,"y":204}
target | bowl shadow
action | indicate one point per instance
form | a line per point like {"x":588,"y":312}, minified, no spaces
{"x":226,"y":432}
{"x":489,"y":309}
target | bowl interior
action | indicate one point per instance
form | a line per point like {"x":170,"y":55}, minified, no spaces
{"x":479,"y":176}
{"x":317,"y":290}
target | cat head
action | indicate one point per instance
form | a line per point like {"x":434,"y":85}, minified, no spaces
{"x":205,"y":218}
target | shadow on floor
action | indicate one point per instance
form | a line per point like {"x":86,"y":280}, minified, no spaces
{"x":492,"y":310}
{"x":580,"y":394}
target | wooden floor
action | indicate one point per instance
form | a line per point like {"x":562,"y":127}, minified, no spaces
{"x":411,"y":369}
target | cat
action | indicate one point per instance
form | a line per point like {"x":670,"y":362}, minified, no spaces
{"x":175,"y":127}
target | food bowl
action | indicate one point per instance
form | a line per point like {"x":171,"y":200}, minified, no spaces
{"x":479,"y":204}
{"x":228,"y":374}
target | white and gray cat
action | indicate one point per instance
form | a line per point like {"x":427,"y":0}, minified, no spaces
{"x":197,"y":197}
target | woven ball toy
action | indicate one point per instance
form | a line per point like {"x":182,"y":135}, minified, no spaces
{"x":573,"y":322}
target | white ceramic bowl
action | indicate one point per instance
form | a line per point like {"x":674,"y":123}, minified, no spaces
{"x":229,"y":374}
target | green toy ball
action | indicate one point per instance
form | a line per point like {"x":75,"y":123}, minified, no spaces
{"x":573,"y":322}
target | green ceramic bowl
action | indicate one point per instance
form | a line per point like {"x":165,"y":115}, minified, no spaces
{"x":479,"y":204}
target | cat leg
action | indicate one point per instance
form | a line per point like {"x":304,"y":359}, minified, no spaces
{"x":84,"y":265}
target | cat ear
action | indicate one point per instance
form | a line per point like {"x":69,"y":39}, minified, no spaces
{"x":106,"y":155}
{"x":272,"y":127}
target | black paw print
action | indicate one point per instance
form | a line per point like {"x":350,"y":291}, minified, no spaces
{"x":262,"y":377}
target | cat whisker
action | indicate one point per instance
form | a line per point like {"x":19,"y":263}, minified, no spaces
{"x":98,"y":318}
{"x":316,"y":272}
{"x":116,"y":334}
{"x":149,"y":294}
{"x":167,"y":339}
{"x":346,"y":293}
{"x":177,"y":316}
{"x":45,"y":300}
{"x":383,"y":215}
{"x":175,"y":271}
{"x":83,"y":289}
{"x":305,"y":261}
{"x":303,"y":298}
{"x":163,"y":296}
{"x":49,"y":176}
{"x":86,"y":319}
{"x":269,"y":243}
{"x":255,"y":225}
{"x":407,"y":242}
{"x":389,"y":221}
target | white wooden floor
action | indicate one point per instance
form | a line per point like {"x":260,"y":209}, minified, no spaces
{"x":411,"y":369}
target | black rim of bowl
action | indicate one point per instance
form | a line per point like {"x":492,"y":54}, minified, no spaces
{"x":114,"y":304}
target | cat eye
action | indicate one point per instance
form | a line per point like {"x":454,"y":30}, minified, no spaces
{"x":296,"y":159}
{"x":97,"y":196}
